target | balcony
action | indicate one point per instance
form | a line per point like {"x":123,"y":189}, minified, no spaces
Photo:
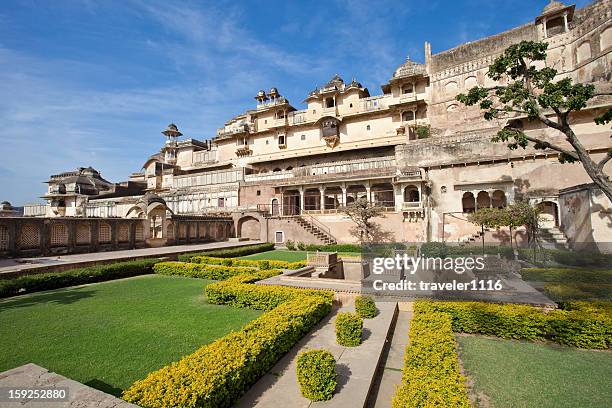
{"x":412,"y":206}
{"x":244,"y":151}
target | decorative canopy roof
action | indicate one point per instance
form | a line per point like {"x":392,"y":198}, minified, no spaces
{"x":172,"y":131}
{"x":336,"y":81}
{"x":147,"y":203}
{"x":553,"y":6}
{"x":150,"y":198}
{"x":409,"y":68}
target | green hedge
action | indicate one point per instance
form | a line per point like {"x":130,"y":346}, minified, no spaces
{"x":261,"y":264}
{"x":441,"y":250}
{"x":431,"y":376}
{"x":565,"y":275}
{"x":544,"y":256}
{"x":230,"y":252}
{"x":349,"y":328}
{"x":202,"y":271}
{"x":216,"y":375}
{"x":561,"y":292}
{"x":316,"y":374}
{"x":365,"y":307}
{"x":586,"y":327}
{"x":237,"y":293}
{"x":79,"y":276}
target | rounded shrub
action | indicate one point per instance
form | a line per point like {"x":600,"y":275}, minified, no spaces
{"x":365,"y":307}
{"x":264,"y":264}
{"x":316,"y":374}
{"x":349,"y":327}
{"x":434,"y":249}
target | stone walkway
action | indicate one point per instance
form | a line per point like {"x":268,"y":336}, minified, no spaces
{"x":356,"y":366}
{"x":390,"y":370}
{"x":37,"y":264}
{"x":33,"y":376}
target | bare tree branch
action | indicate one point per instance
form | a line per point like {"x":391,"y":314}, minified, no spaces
{"x":548,"y":145}
{"x":603,"y":161}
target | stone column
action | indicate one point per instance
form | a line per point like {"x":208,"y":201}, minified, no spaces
{"x":399,"y":197}
{"x":565,"y":26}
{"x":301,"y":199}
{"x":343,"y":195}
{"x":368,"y":193}
{"x":322,"y":204}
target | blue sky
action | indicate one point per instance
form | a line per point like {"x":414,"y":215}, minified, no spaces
{"x":93,"y":83}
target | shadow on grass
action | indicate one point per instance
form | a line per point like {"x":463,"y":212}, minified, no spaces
{"x":104,"y":387}
{"x":58,"y":298}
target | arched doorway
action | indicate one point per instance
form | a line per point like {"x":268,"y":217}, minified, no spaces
{"x":355,"y":192}
{"x":291,"y":202}
{"x":411,"y":194}
{"x":383,"y":195}
{"x":498,"y":199}
{"x":483,"y":200}
{"x":275,"y":208}
{"x":549,"y":214}
{"x":312,"y":199}
{"x":468,"y":202}
{"x":333,"y":198}
{"x":249,"y":227}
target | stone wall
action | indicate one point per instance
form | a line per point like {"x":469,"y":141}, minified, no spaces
{"x":23,"y":236}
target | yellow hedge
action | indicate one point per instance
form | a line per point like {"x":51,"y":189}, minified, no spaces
{"x":217,"y":375}
{"x":261,"y":264}
{"x":431,"y":376}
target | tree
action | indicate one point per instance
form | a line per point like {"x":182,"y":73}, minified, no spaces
{"x":486,"y":217}
{"x":520,"y":214}
{"x":361,"y":212}
{"x":531,"y":92}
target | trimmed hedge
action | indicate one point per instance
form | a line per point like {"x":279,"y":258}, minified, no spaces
{"x":316,"y":374}
{"x":431,"y":376}
{"x":585,"y":326}
{"x":349,"y":328}
{"x":543,"y":256}
{"x":79,"y":276}
{"x":194,"y":270}
{"x":230,"y":252}
{"x":261,"y":264}
{"x":564,"y":275}
{"x":441,"y":250}
{"x":235,"y":292}
{"x":216,"y":375}
{"x":365,"y":307}
{"x":561,"y":292}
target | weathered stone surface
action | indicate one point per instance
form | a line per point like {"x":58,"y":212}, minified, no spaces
{"x":79,"y":395}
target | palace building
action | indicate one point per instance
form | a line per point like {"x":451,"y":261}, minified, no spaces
{"x":278,"y":172}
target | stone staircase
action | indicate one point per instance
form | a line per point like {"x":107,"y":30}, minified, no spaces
{"x":476,"y":237}
{"x":322,"y":235}
{"x":553,"y":237}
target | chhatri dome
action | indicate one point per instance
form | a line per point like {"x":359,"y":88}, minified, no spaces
{"x":552,"y":6}
{"x":409,"y":68}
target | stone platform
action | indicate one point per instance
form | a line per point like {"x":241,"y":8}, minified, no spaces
{"x":356,"y":366}
{"x":79,"y":395}
{"x":10,"y":268}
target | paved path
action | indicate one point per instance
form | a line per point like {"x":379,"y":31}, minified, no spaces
{"x":78,"y":395}
{"x":35,"y":264}
{"x":390,"y":369}
{"x":356,"y":366}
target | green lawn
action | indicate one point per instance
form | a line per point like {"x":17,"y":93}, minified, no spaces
{"x":517,"y":374}
{"x":108,"y":335}
{"x":279,"y":255}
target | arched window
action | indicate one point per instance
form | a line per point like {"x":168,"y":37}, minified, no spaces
{"x":290,"y":168}
{"x":468,"y":203}
{"x":368,"y":127}
{"x":483,"y":200}
{"x":407,"y":89}
{"x":276,"y":169}
{"x":498,"y":199}
{"x":411,"y":194}
{"x":408,"y":116}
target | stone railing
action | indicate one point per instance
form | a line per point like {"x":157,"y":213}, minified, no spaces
{"x":276,"y":175}
{"x":321,"y":259}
